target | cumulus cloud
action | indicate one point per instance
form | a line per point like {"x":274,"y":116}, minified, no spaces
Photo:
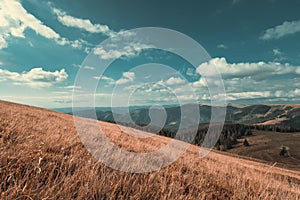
{"x":175,"y":81}
{"x":286,"y":28}
{"x":126,"y":78}
{"x":14,"y":20}
{"x":248,"y":95}
{"x":84,"y":24}
{"x":238,"y":70}
{"x":270,"y":96}
{"x":36,"y":77}
{"x":17,"y":19}
{"x":245,"y":82}
{"x":258,"y":82}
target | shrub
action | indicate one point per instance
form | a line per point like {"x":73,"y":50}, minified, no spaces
{"x":246,"y":143}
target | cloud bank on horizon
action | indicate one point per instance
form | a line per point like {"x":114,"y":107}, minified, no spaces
{"x":42,"y":45}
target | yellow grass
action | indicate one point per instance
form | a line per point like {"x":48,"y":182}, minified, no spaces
{"x":42,"y":157}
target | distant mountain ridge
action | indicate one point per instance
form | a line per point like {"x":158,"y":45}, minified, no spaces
{"x":280,"y":115}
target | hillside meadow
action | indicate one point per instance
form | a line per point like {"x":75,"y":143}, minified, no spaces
{"x":42,"y":157}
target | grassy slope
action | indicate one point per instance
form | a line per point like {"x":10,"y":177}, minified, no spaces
{"x":265,"y":145}
{"x":42,"y":157}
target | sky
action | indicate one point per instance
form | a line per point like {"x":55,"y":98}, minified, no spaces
{"x":48,"y":47}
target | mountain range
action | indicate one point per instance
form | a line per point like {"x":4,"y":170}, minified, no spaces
{"x":279,"y":115}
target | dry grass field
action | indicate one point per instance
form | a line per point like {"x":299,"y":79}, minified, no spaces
{"x":42,"y":157}
{"x":266,"y":145}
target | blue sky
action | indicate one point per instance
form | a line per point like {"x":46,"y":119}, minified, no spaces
{"x":254,"y":45}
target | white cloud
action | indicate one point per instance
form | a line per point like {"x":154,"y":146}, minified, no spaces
{"x":36,"y":77}
{"x":125,"y":43}
{"x":286,"y":28}
{"x":97,"y":77}
{"x":126,"y":78}
{"x":191,"y":71}
{"x":258,"y":82}
{"x":248,"y":95}
{"x":279,"y":56}
{"x":108,"y":80}
{"x":84,"y":24}
{"x":127,"y":50}
{"x":129,"y":75}
{"x":270,"y":95}
{"x":277,"y":52}
{"x":72,"y":87}
{"x":30,"y":44}
{"x":88,"y":67}
{"x":76,"y":44}
{"x":3,"y":43}
{"x":175,"y":81}
{"x":222,"y":46}
{"x":76,"y":65}
{"x":14,"y":20}
{"x":256,"y":70}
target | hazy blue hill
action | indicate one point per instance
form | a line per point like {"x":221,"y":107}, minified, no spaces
{"x":280,"y":115}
